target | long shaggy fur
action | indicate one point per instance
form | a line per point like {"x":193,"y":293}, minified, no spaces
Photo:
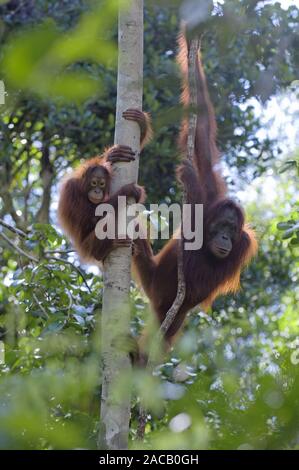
{"x":206,"y":276}
{"x":76,"y":214}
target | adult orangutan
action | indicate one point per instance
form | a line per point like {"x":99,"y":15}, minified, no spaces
{"x":228,"y":245}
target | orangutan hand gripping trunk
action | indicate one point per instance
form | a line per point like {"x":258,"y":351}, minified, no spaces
{"x":229,"y":244}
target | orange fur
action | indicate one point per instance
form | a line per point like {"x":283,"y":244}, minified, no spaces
{"x":206,"y":276}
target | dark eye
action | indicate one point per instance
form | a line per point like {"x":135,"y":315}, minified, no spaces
{"x":93,"y":183}
{"x":102,"y":183}
{"x":213,"y":230}
{"x":233,"y":232}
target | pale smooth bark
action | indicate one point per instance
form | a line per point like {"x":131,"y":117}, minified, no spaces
{"x":115,"y":401}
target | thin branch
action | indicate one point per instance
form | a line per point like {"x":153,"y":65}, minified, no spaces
{"x":46,"y":316}
{"x":71,"y":301}
{"x":15,"y":230}
{"x":64,"y":261}
{"x":18,"y":249}
{"x":59,"y":252}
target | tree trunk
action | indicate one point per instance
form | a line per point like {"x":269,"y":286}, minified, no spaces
{"x":115,"y":401}
{"x":47,"y":175}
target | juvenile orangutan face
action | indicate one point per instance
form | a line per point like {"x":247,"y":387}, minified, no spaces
{"x":97,"y":186}
{"x":223,"y":233}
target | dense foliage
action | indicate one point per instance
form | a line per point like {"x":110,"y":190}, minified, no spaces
{"x":232,"y":380}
